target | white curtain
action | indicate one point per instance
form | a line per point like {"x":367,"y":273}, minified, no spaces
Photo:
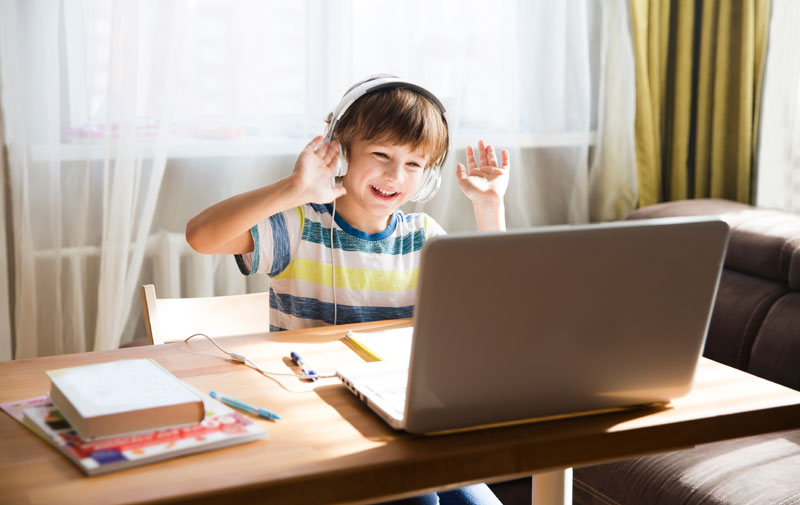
{"x":84,"y":187}
{"x":778,"y":164}
{"x":6,"y":344}
{"x":125,"y":118}
{"x":557,"y":89}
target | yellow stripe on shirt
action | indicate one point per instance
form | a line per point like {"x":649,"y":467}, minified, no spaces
{"x":302,"y":269}
{"x":301,"y":216}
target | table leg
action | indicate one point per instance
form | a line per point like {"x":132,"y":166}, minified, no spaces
{"x":552,"y":488}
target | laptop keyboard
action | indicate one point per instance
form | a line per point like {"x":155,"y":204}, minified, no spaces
{"x":388,"y":392}
{"x":392,"y":389}
{"x":383,"y":384}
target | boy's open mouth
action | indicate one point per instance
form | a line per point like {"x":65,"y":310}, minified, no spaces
{"x":382,"y":193}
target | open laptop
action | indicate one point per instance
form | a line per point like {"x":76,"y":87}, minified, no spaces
{"x":562,"y":320}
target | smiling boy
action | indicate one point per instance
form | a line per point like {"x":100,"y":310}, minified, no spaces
{"x":358,"y":260}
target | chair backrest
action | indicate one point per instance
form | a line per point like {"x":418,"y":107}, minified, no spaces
{"x":172,"y":319}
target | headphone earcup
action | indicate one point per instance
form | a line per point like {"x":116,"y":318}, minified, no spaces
{"x":429,"y":185}
{"x":341,"y":165}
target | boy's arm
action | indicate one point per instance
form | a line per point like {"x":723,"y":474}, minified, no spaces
{"x":485,"y":185}
{"x":224,"y":228}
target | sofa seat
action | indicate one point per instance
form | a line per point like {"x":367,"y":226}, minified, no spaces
{"x":752,"y":470}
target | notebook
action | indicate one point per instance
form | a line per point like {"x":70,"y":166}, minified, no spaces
{"x":391,"y":344}
{"x":547,"y":322}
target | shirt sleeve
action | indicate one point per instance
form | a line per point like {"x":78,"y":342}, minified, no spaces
{"x":432,"y":228}
{"x":274,"y":240}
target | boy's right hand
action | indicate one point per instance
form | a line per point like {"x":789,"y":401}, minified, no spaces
{"x":314,"y":171}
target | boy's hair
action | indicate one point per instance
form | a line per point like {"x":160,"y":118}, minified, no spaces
{"x":398,"y":116}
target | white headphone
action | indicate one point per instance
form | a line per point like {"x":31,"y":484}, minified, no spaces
{"x":432,"y":175}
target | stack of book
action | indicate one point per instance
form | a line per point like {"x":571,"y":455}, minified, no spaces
{"x":115,"y":415}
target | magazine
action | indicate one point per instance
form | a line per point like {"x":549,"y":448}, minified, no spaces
{"x":16,"y":410}
{"x":222,"y":427}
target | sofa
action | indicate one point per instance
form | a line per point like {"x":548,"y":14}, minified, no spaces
{"x":755,"y":326}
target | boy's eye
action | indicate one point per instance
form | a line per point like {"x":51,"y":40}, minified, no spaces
{"x":414,"y":164}
{"x":380,"y":155}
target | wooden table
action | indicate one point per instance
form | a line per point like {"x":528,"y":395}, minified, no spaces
{"x":329,"y":448}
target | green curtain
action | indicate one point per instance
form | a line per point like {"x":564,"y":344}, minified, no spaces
{"x":699,"y":67}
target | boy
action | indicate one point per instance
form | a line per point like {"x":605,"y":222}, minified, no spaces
{"x":387,"y":137}
{"x":355,"y":260}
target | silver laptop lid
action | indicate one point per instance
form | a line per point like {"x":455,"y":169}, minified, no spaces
{"x":555,"y":320}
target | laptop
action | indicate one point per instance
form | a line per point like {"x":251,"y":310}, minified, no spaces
{"x":547,"y":322}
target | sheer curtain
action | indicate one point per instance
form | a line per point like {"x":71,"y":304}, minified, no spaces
{"x":125,"y":118}
{"x":82,"y":210}
{"x":5,"y":307}
{"x":778,"y":168}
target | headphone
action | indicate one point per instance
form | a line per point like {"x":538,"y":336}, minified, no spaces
{"x":432,"y":175}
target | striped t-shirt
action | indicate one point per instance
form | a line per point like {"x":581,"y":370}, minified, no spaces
{"x":375,"y":274}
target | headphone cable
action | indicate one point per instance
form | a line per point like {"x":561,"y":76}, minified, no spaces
{"x":333,"y":264}
{"x":247,"y":361}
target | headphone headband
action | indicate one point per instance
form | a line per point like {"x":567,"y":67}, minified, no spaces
{"x":375,"y":85}
{"x":431,"y":178}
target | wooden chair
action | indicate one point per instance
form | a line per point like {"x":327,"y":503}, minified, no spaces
{"x":172,"y":319}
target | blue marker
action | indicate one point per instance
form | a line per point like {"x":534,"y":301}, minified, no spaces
{"x":298,"y":360}
{"x":239,"y":404}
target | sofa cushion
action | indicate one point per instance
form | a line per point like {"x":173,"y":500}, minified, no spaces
{"x":750,"y":470}
{"x":776,"y":350}
{"x":741,"y":306}
{"x":763,"y":242}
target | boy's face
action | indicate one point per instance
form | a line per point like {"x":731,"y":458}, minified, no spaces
{"x":380,"y":178}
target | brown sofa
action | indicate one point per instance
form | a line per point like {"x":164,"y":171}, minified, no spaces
{"x":755,"y":326}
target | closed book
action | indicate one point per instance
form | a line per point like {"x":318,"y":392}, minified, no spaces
{"x":120,"y":397}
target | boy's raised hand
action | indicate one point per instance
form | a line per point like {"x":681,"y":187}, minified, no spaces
{"x":484,"y":184}
{"x":314,"y":170}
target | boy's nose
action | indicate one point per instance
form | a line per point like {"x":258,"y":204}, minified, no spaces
{"x":392,"y":171}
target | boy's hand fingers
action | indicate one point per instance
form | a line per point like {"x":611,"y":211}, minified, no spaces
{"x":471,"y":158}
{"x":323,"y":150}
{"x":492,"y":156}
{"x":331,"y":154}
{"x":461,"y":171}
{"x":312,"y":146}
{"x":482,"y":152}
{"x":506,"y":160}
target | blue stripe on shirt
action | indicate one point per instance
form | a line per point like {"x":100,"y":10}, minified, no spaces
{"x":256,"y":251}
{"x":311,"y":308}
{"x":280,"y":244}
{"x":253,"y":264}
{"x":322,"y":208}
{"x":314,"y":232}
{"x":344,"y":225}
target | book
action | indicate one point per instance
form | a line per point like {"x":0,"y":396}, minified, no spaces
{"x":384,"y":345}
{"x":120,"y":397}
{"x":222,"y":427}
{"x":16,"y":411}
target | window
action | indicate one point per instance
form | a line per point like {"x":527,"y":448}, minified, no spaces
{"x":268,"y":73}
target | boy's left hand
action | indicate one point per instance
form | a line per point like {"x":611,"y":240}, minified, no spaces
{"x":484,"y":184}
